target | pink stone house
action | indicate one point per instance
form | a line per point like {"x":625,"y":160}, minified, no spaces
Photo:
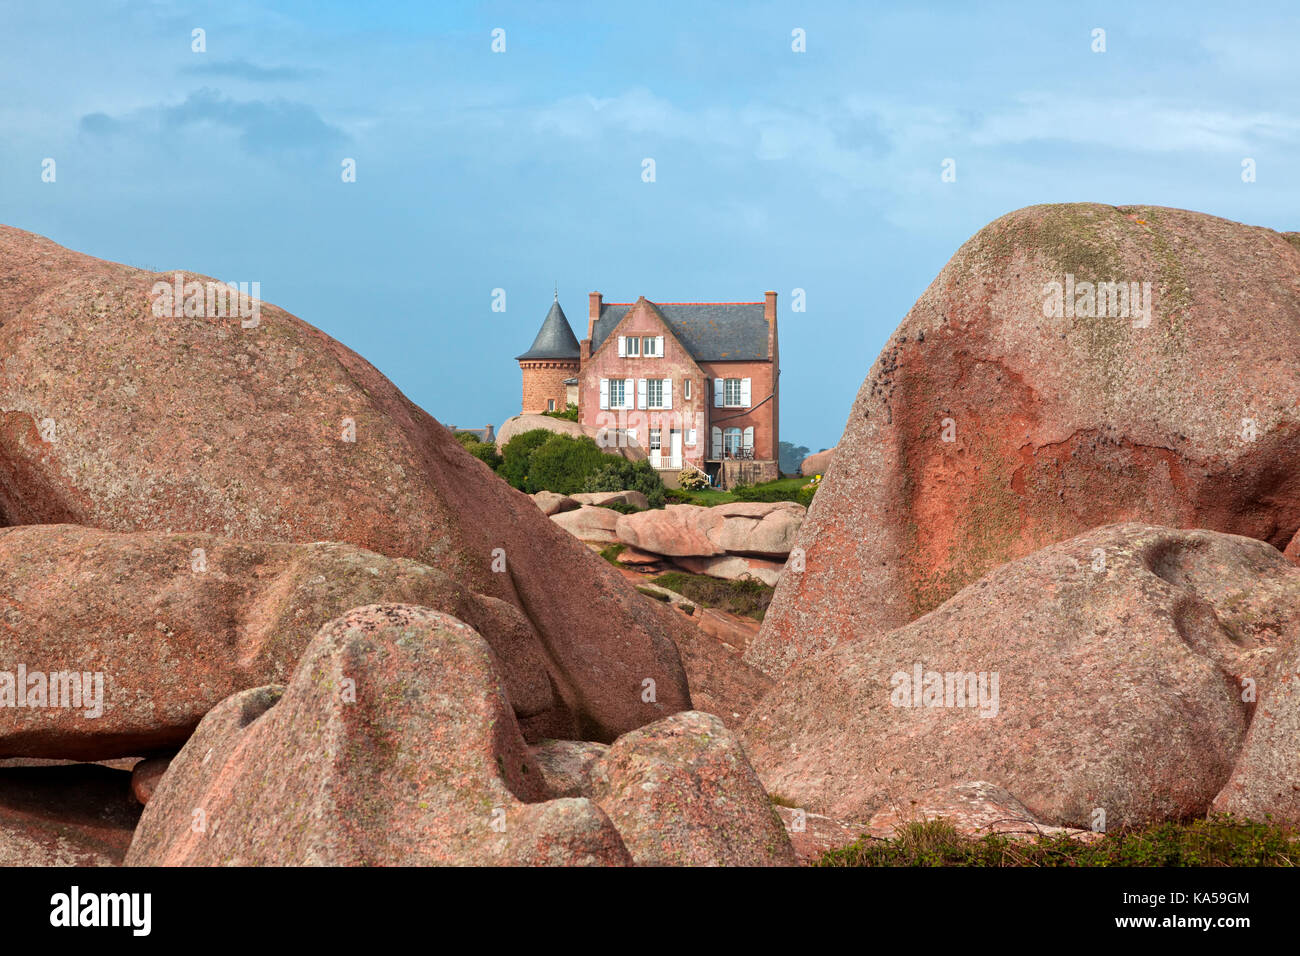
{"x":692,"y":382}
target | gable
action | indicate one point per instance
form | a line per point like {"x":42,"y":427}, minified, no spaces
{"x":651,"y":311}
{"x":709,"y":331}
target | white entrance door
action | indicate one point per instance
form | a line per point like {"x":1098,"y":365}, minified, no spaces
{"x":675,"y":448}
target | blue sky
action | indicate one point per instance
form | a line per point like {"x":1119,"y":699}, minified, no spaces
{"x":517,"y":170}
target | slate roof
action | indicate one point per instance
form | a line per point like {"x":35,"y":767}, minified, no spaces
{"x":710,"y":331}
{"x":555,"y":339}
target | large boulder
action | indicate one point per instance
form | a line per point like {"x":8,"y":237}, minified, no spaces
{"x":175,"y":623}
{"x":816,"y":463}
{"x":589,"y":523}
{"x":987,"y":429}
{"x":681,"y":793}
{"x":1105,"y":672}
{"x":735,"y":567}
{"x":1266,"y":779}
{"x":977,"y":808}
{"x":392,"y":744}
{"x":552,"y":503}
{"x":634,"y":498}
{"x":263,"y":428}
{"x":758,"y":528}
{"x":610,"y":442}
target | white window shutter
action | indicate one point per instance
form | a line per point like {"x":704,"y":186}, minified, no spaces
{"x":744,"y":393}
{"x":690,"y":438}
{"x":659,"y":346}
{"x":717,"y":442}
{"x":622,"y":346}
{"x":640,"y":393}
{"x":748,"y":440}
{"x":604,"y":393}
{"x":668,"y":393}
{"x":719,"y":392}
{"x":628,"y":394}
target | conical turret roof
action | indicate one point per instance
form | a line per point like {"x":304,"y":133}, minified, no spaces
{"x":555,"y":339}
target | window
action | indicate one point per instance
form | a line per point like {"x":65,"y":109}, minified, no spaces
{"x":631,"y":346}
{"x":656,"y":443}
{"x":686,"y":390}
{"x":731,"y":393}
{"x":616,"y":393}
{"x":650,"y":346}
{"x":731,"y":442}
{"x":654,"y":393}
{"x":550,"y":404}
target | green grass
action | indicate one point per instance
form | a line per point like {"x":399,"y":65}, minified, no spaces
{"x":708,"y":497}
{"x":611,"y":553}
{"x":1220,"y":840}
{"x":743,"y":598}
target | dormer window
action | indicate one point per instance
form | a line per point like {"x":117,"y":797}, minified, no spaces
{"x":640,"y":346}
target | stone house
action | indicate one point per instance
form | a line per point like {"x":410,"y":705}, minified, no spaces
{"x":691,"y":382}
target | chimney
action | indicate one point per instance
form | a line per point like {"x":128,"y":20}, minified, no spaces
{"x":594,"y":302}
{"x":769,"y":313}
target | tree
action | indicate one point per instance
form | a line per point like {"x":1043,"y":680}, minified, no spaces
{"x":791,"y":457}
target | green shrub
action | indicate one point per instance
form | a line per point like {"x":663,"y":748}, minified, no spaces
{"x":570,"y":413}
{"x":517,"y":454}
{"x":563,"y":463}
{"x":675,"y":496}
{"x":484,"y":451}
{"x":619,"y":474}
{"x":773,"y":492}
{"x":622,"y":507}
{"x":1220,"y":840}
{"x":692,"y":478}
{"x":747,"y":598}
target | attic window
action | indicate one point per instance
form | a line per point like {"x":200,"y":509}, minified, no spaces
{"x":632,"y":345}
{"x":649,"y":345}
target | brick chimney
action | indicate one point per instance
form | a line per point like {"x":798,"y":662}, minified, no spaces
{"x":594,"y":302}
{"x":769,"y":313}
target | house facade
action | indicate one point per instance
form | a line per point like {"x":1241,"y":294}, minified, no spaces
{"x":690,"y":382}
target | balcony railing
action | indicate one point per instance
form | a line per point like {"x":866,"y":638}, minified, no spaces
{"x":734,"y":454}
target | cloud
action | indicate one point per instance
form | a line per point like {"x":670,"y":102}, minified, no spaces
{"x":244,"y":70}
{"x":100,"y":124}
{"x":1134,"y":125}
{"x":263,"y":125}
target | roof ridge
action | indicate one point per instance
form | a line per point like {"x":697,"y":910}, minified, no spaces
{"x":664,"y":302}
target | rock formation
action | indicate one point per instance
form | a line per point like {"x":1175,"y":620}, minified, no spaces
{"x":266,"y":429}
{"x":1103,"y":673}
{"x":1024,"y":400}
